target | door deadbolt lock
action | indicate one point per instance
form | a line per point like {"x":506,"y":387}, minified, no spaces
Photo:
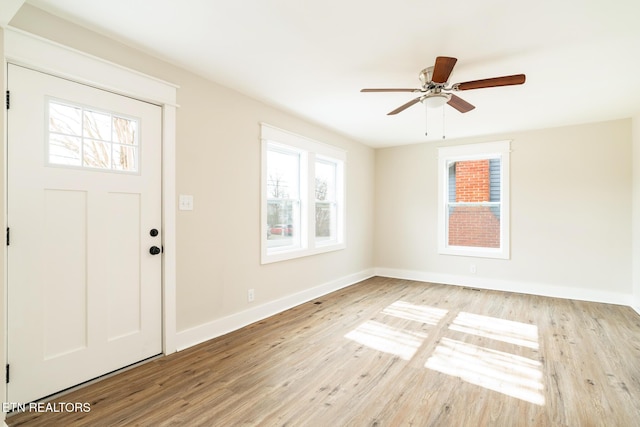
{"x":153,"y":232}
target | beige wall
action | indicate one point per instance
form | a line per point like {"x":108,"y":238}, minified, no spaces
{"x":218,"y":162}
{"x":570,"y":214}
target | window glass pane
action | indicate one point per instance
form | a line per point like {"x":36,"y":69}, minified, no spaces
{"x":65,"y":119}
{"x":474,"y":203}
{"x":475,"y":226}
{"x":87,"y":138}
{"x":97,"y":125}
{"x":125,"y":131}
{"x":96,"y":154}
{"x":283,"y":223}
{"x":125,"y":157}
{"x":325,"y":221}
{"x":325,"y":180}
{"x":64,"y":150}
{"x":283,"y":193}
{"x":325,"y":194}
{"x":283,"y":175}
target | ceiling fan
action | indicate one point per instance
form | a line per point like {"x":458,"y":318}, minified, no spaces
{"x":434,"y":89}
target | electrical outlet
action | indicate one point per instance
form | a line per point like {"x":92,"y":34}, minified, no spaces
{"x":251,"y":295}
{"x":472,"y":269}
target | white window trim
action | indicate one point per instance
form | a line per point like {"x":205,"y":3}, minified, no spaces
{"x":312,"y":150}
{"x":475,"y":152}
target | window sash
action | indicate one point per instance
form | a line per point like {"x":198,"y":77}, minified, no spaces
{"x":486,"y":222}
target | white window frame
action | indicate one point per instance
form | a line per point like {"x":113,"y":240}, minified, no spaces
{"x":310,"y":151}
{"x":480,"y":151}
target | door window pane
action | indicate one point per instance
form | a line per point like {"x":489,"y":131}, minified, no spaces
{"x":125,"y":158}
{"x":125,"y":131}
{"x":65,"y":119}
{"x":96,"y":154}
{"x":64,"y":150}
{"x":96,"y":125}
{"x":92,"y":139}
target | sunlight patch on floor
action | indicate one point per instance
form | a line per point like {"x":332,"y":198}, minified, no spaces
{"x":503,"y":330}
{"x":387,"y":339}
{"x":500,"y":371}
{"x":506,"y":373}
{"x":418,"y":313}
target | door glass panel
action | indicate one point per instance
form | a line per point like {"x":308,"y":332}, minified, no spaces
{"x":92,"y":139}
{"x":96,"y":154}
{"x":65,"y":119}
{"x":64,"y":150}
{"x":125,"y":158}
{"x":97,"y":125}
{"x":125,"y":131}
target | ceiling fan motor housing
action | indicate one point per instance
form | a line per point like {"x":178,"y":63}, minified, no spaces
{"x":435,"y":99}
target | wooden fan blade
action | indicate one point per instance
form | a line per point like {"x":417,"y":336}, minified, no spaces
{"x":404,"y":106}
{"x":460,"y":104}
{"x":390,"y":90}
{"x":516,"y":79}
{"x":443,"y":68}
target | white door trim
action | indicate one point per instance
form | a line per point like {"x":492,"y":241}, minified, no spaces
{"x":22,"y":48}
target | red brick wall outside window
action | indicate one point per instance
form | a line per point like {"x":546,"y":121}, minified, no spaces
{"x":473,"y":225}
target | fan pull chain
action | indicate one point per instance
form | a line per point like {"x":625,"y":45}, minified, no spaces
{"x":443,"y":132}
{"x":426,"y":120}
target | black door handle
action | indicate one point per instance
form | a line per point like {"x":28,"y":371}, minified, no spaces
{"x":154,"y":250}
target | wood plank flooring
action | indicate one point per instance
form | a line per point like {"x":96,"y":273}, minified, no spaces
{"x":389,"y":352}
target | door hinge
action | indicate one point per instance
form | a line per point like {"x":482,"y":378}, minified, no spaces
{"x":7,"y":373}
{"x":8,"y":236}
{"x":8,"y":100}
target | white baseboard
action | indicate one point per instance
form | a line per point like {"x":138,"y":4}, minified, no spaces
{"x":542,"y":289}
{"x":218,"y":327}
{"x":636,"y":308}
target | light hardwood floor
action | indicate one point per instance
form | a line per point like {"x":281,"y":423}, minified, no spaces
{"x":389,"y":352}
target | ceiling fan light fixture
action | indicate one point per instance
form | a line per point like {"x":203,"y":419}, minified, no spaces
{"x":436,"y":100}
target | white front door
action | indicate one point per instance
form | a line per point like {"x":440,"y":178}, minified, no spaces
{"x":84,"y":216}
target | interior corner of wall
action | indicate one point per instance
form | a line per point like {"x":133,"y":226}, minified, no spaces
{"x":8,"y":9}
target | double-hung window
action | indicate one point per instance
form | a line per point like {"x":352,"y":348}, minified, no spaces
{"x":473,"y":200}
{"x":302,"y":196}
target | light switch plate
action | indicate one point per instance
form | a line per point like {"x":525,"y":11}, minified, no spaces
{"x":185,"y":202}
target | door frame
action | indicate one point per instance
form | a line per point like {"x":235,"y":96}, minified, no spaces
{"x":39,"y":54}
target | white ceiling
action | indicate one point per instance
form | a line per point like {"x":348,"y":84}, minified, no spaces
{"x":581,"y":57}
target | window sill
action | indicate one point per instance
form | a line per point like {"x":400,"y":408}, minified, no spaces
{"x":284,"y":255}
{"x":469,"y":251}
